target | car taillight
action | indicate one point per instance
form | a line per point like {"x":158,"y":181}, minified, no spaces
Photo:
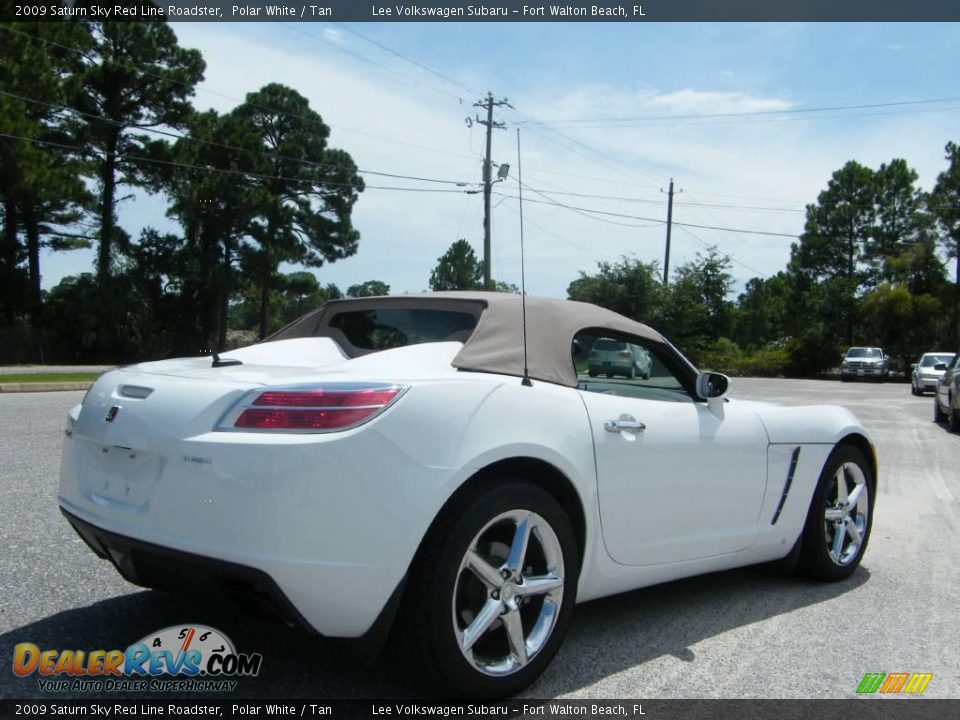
{"x":316,"y":408}
{"x":624,"y":353}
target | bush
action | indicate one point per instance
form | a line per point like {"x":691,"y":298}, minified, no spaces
{"x":723,"y":356}
{"x":766,"y":362}
{"x":726,"y":356}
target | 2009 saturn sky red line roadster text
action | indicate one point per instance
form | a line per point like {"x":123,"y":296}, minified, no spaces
{"x":415,"y":461}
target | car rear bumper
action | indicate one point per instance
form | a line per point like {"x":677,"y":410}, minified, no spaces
{"x":164,"y":568}
{"x":602,"y":368}
{"x":322,"y":528}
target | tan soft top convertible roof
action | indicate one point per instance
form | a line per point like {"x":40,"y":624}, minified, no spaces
{"x":496,"y":345}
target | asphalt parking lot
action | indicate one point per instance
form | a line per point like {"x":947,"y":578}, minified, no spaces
{"x":741,"y":634}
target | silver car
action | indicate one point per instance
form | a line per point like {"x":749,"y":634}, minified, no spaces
{"x":616,"y":357}
{"x":946,"y":400}
{"x":927,"y":370}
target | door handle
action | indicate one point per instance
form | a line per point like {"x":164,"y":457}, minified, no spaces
{"x":624,"y":424}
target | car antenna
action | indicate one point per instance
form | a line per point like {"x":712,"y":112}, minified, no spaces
{"x":218,"y":361}
{"x":523,"y":279}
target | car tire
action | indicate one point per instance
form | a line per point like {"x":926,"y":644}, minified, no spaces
{"x":953,"y":419}
{"x":842,"y":503}
{"x":913,"y":388}
{"x":467,"y":589}
{"x":592,"y":373}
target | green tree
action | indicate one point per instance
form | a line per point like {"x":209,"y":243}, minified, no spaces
{"x":945,"y":205}
{"x":215,"y":202}
{"x":40,"y":185}
{"x":629,"y":287}
{"x":291,"y":296}
{"x":457,"y":269}
{"x":370,"y":288}
{"x":309,"y":190}
{"x":763,"y":311}
{"x":695,"y":311}
{"x":902,"y":218}
{"x":836,"y":238}
{"x":903,"y":323}
{"x":134,"y":76}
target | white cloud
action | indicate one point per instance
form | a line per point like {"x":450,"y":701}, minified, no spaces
{"x":334,"y":35}
{"x":692,"y":101}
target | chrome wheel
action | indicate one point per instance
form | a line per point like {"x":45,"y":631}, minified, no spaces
{"x":847,"y":513}
{"x":508,"y":592}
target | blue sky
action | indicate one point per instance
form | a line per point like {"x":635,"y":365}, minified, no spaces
{"x":394,"y":117}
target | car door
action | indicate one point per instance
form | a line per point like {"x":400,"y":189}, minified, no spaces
{"x":945,"y":382}
{"x":677,"y":480}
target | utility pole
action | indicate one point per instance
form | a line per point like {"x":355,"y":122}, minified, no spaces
{"x":488,"y":103}
{"x":666,"y":257}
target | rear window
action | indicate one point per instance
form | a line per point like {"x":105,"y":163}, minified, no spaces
{"x":383,"y":329}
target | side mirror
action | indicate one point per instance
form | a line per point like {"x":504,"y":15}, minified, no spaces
{"x":712,"y":385}
{"x":940,"y":366}
{"x":886,"y":357}
{"x":913,"y":366}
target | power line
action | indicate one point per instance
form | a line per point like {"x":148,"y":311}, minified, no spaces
{"x":561,"y":238}
{"x":460,"y":84}
{"x":367,"y":60}
{"x":582,"y":211}
{"x":263,"y":153}
{"x":748,"y":113}
{"x":732,"y":257}
{"x":610,"y":160}
{"x":622,"y":198}
{"x":211,"y":168}
{"x":452,"y":81}
{"x":208,"y":91}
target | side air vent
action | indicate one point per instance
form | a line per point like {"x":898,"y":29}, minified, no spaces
{"x":786,"y":486}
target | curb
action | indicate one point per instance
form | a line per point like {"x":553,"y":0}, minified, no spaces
{"x":22,"y":387}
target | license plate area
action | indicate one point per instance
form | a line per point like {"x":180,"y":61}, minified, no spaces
{"x":116,"y":475}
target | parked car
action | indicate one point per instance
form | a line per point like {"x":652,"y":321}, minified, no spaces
{"x":617,"y":357}
{"x":865,"y":363}
{"x":419,"y":463}
{"x":927,"y":370}
{"x":946,"y":400}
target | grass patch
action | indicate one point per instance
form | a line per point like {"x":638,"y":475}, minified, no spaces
{"x":48,"y":377}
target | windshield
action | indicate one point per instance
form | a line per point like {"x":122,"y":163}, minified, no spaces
{"x":864,"y":353}
{"x":931,"y":360}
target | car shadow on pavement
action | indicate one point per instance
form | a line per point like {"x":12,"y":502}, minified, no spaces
{"x":606,"y":636}
{"x":616,"y":633}
{"x":295,"y":663}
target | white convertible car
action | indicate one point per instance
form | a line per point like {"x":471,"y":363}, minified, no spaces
{"x":407,"y":463}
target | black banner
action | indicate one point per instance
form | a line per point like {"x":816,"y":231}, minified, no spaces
{"x":859,"y":709}
{"x":489,"y":11}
